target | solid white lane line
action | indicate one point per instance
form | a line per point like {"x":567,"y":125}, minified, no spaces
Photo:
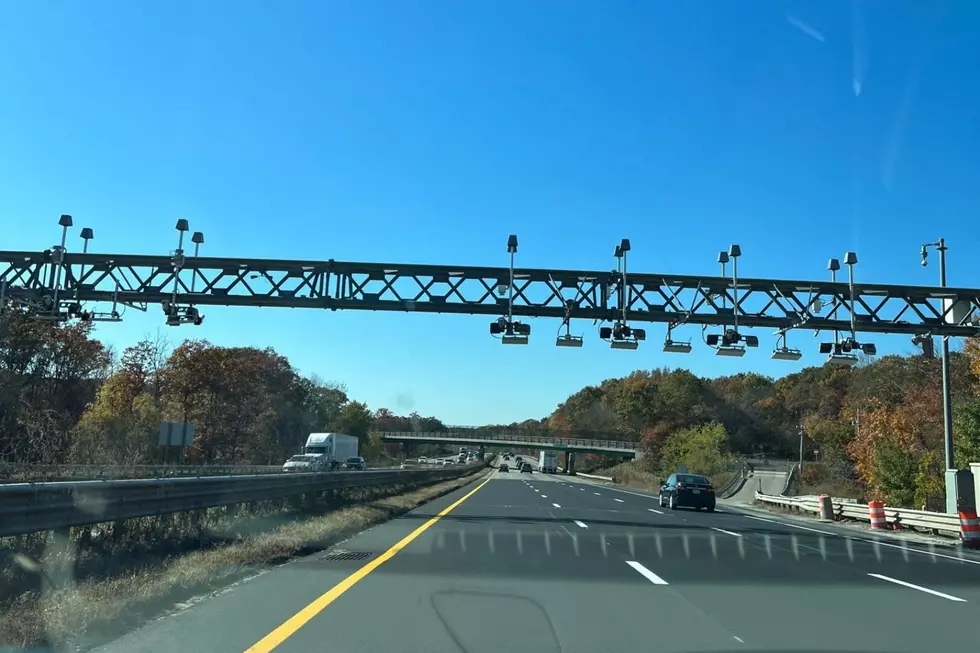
{"x":782,"y":523}
{"x":918,"y":587}
{"x":722,"y":530}
{"x":580,"y":524}
{"x":556,"y":505}
{"x":646,"y":573}
{"x":619,"y":500}
{"x":659,"y":512}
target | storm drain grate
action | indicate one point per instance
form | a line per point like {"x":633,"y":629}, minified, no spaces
{"x":347,"y":555}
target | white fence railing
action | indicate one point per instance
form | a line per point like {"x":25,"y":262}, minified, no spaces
{"x":936,"y":522}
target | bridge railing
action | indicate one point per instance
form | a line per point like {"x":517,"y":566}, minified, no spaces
{"x":583,"y":443}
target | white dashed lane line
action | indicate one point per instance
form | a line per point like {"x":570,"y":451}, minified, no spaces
{"x":580,"y":524}
{"x":646,"y":573}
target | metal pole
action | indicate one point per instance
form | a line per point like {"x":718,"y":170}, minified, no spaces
{"x":947,"y":403}
{"x":735,"y":291}
{"x":801,"y":450}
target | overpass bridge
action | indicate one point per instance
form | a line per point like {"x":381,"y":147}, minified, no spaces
{"x":620,"y":448}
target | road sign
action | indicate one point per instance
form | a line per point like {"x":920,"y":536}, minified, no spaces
{"x":176,"y":434}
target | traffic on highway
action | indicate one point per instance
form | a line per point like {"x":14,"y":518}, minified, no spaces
{"x":549,"y":562}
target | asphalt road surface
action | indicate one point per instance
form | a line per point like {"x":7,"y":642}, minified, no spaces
{"x":537,"y":563}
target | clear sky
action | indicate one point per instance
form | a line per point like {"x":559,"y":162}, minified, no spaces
{"x":409,"y":131}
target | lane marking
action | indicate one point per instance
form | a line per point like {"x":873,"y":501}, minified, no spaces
{"x":556,"y":505}
{"x":782,"y":523}
{"x":619,"y":500}
{"x":579,"y":524}
{"x":918,"y":587}
{"x":544,"y":496}
{"x":294,"y":623}
{"x":659,"y":512}
{"x":646,"y":573}
{"x":911,"y":549}
{"x":852,"y":538}
{"x":597,"y":494}
{"x":722,"y":530}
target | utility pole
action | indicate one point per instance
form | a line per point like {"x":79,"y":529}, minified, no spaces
{"x":801,"y":450}
{"x":951,"y":488}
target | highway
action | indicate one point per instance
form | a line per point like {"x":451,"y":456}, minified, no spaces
{"x":542,"y":563}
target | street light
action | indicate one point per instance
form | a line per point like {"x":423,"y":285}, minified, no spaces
{"x":951,"y":480}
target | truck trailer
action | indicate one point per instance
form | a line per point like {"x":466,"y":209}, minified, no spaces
{"x":335,"y":448}
{"x":548,"y":462}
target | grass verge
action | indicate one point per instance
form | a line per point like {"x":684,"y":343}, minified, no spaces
{"x":84,"y":613}
{"x":633,"y":474}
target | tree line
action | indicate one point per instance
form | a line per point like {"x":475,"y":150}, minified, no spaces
{"x":65,"y":397}
{"x":875,"y":429}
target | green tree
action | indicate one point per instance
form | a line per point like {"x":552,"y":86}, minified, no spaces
{"x":702,"y":449}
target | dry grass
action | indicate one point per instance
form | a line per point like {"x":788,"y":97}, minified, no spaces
{"x":633,"y":474}
{"x":85,"y":612}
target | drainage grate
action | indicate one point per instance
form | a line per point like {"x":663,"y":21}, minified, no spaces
{"x":347,"y":555}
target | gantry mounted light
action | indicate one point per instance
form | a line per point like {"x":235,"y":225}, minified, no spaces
{"x":674,"y":347}
{"x":840,"y":353}
{"x":622,"y":336}
{"x":784,"y":353}
{"x":175,"y":312}
{"x":731,"y":342}
{"x":510,"y":331}
{"x":567,"y":339}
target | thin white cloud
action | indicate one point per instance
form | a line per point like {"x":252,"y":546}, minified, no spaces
{"x":805,"y":28}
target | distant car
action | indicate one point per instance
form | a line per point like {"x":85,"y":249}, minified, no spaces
{"x":526,"y":467}
{"x":304,"y":463}
{"x":354,"y":463}
{"x":687,"y":491}
{"x":504,"y":467}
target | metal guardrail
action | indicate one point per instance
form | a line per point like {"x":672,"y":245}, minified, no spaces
{"x":27,"y":471}
{"x":507,"y":438}
{"x":31,"y":507}
{"x":844,"y":509}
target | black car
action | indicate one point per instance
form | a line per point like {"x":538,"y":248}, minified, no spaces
{"x":354,"y":462}
{"x":526,"y":467}
{"x":688,"y":491}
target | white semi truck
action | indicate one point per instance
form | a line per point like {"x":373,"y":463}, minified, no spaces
{"x":333,"y":449}
{"x":548,"y":462}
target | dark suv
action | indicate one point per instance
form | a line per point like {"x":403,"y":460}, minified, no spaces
{"x":354,"y":462}
{"x":688,"y":490}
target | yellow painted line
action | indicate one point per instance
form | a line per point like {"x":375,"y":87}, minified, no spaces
{"x":294,"y":623}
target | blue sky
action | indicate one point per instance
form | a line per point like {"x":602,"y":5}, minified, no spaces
{"x":429,"y":131}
